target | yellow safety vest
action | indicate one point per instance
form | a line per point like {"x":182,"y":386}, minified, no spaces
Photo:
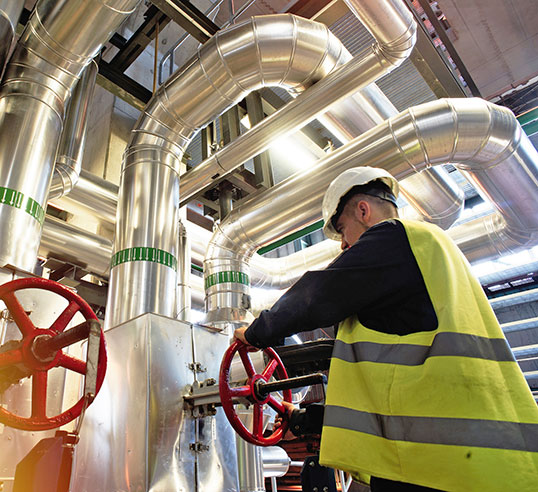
{"x":448,"y":409}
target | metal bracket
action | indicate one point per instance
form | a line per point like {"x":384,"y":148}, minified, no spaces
{"x":197,"y":367}
{"x":198,"y":447}
{"x":203,"y":398}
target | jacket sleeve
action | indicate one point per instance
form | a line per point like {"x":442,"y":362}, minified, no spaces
{"x":372,"y":274}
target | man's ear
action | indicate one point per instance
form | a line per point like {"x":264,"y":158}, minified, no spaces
{"x":362,"y":210}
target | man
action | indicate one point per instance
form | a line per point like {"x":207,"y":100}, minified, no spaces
{"x":423,"y":389}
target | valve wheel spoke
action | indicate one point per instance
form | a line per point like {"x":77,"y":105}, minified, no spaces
{"x":39,"y":395}
{"x":270,"y":369}
{"x":276,"y":405}
{"x":247,"y":362}
{"x":22,"y":320}
{"x":10,"y":357}
{"x":257,"y":422}
{"x":72,"y":363}
{"x":67,"y":315}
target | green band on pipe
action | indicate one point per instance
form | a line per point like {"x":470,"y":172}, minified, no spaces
{"x":16,"y":199}
{"x":292,"y":237}
{"x":226,"y":277}
{"x":144,"y":254}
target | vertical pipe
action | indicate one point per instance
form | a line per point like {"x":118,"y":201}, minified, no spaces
{"x":60,"y":39}
{"x":250,"y":467}
{"x":73,"y":139}
{"x":10,"y":11}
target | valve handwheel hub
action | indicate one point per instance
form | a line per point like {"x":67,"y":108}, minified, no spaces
{"x":229,"y":393}
{"x":24,"y":355}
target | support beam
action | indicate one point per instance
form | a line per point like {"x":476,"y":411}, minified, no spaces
{"x":122,"y":86}
{"x":188,"y":17}
{"x":138,"y":42}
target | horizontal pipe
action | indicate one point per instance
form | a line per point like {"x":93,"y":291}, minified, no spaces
{"x":477,"y":136}
{"x":71,"y":244}
{"x":312,"y":103}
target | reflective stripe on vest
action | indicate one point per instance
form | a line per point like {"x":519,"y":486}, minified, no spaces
{"x":432,"y":430}
{"x":447,"y":409}
{"x":444,"y":345}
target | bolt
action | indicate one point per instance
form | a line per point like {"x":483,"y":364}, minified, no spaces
{"x":312,"y":464}
{"x":315,"y":489}
{"x":325,"y":489}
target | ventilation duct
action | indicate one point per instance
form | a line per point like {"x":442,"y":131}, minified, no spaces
{"x":483,"y":140}
{"x":235,"y":61}
{"x":59,"y":40}
{"x":73,"y":139}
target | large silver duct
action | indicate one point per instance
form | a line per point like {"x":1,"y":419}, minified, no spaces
{"x":10,"y":11}
{"x":483,"y":140}
{"x":235,"y":61}
{"x":60,"y":39}
{"x":394,"y":31}
{"x":66,"y":242}
{"x":432,"y":193}
{"x":91,"y":196}
{"x":73,"y":139}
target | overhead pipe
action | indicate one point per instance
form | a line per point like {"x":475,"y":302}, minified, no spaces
{"x":68,"y":243}
{"x":432,"y":193}
{"x":10,"y":11}
{"x":92,"y":196}
{"x":59,"y":41}
{"x":483,"y":140}
{"x":73,"y":140}
{"x":237,"y":60}
{"x":395,"y":34}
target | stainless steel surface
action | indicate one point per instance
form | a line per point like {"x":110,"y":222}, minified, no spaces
{"x":237,"y":60}
{"x":59,"y":40}
{"x":10,"y":11}
{"x":471,"y":133}
{"x":276,"y":461}
{"x":73,"y":139}
{"x":65,"y":242}
{"x":135,"y":436}
{"x":250,"y":467}
{"x":216,"y":466}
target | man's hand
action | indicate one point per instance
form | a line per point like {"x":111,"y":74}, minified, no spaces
{"x":290,"y":407}
{"x":239,"y":334}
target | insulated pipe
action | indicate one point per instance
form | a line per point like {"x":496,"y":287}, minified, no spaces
{"x":63,"y":241}
{"x":484,"y":140}
{"x":60,"y":39}
{"x":395,"y":34}
{"x":236,"y":60}
{"x":73,"y":139}
{"x":432,"y":192}
{"x":92,"y":196}
{"x":10,"y":11}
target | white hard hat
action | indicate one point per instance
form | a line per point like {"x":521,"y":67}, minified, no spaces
{"x":342,"y":184}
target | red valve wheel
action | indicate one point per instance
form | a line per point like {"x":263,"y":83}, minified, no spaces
{"x":24,"y":356}
{"x":228,"y":393}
